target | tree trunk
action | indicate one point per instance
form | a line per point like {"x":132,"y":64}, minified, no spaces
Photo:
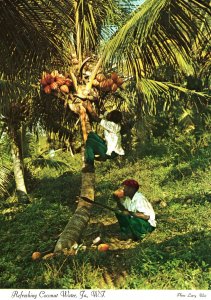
{"x":18,"y":166}
{"x":78,"y":222}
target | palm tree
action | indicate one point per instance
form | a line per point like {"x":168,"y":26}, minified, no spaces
{"x":38,"y":35}
{"x":28,"y":40}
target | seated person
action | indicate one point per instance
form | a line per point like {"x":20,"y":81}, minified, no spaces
{"x":137,"y":217}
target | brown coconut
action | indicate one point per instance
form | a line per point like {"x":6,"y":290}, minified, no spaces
{"x":120,"y":81}
{"x":114,"y":87}
{"x":64,"y":89}
{"x":110,"y":82}
{"x":68,"y":82}
{"x":54,"y":86}
{"x":47,"y":89}
{"x":43,"y":82}
{"x":49,"y":79}
{"x":114,"y":76}
{"x":95,"y":82}
{"x":100,"y":77}
{"x":36,"y":255}
{"x":60,"y":80}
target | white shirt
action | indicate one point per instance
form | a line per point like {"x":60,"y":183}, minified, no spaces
{"x":140,"y":204}
{"x":112,"y":137}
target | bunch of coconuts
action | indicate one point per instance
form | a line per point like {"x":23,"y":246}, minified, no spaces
{"x":54,"y":82}
{"x":107,"y":83}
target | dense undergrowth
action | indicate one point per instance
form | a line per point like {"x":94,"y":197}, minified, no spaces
{"x":175,"y":256}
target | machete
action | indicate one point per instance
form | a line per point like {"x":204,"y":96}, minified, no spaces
{"x":118,"y":211}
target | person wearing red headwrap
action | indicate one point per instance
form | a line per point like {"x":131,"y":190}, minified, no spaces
{"x":137,"y":217}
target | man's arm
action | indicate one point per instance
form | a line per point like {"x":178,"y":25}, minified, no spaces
{"x":87,"y":104}
{"x":139,"y":215}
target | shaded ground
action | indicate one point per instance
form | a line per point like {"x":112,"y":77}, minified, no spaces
{"x":175,"y":256}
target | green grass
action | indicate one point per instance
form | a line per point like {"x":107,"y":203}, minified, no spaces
{"x":175,"y":256}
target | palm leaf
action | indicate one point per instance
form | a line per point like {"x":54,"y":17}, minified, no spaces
{"x":153,"y":90}
{"x":4,"y":179}
{"x":94,"y":20}
{"x":5,"y":166}
{"x":49,"y":163}
{"x":31,"y":31}
{"x":153,"y":33}
{"x":14,"y":91}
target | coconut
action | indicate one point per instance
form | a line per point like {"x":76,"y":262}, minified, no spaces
{"x":68,"y":82}
{"x":60,"y":80}
{"x":114,"y":87}
{"x":120,"y":81}
{"x":110,"y":82}
{"x":54,"y":86}
{"x":36,"y":255}
{"x":103,"y":247}
{"x":54,"y":73}
{"x":100,"y":77}
{"x":104,"y":86}
{"x":114,"y":76}
{"x":64,"y":89}
{"x":49,"y":79}
{"x":47,"y":89}
{"x":43,"y":82}
{"x":95,"y":82}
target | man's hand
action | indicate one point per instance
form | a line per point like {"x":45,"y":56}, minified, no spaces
{"x":126,"y":213}
{"x":88,"y":105}
{"x":118,"y":200}
{"x":119,"y":193}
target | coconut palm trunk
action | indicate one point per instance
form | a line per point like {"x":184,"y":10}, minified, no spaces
{"x":18,"y":165}
{"x":78,"y":222}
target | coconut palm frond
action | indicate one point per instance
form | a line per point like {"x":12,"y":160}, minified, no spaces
{"x":95,"y":21}
{"x":206,"y":68}
{"x":187,"y":91}
{"x":14,"y":91}
{"x":5,"y":165}
{"x":183,"y":62}
{"x":186,"y":114}
{"x":31,"y":30}
{"x":154,"y":32}
{"x":152,"y":90}
{"x":4,"y":179}
{"x":49,"y":163}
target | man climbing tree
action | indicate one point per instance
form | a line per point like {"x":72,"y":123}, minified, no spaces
{"x":109,"y":147}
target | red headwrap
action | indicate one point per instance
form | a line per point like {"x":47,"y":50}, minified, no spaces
{"x":131,"y":182}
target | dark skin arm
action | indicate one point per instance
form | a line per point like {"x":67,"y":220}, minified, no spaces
{"x":119,"y":203}
{"x":87,"y":104}
{"x":136,"y":214}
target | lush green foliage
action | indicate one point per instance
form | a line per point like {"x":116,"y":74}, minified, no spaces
{"x":175,"y":256}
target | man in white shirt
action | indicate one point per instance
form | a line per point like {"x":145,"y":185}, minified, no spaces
{"x":107,"y":148}
{"x":112,"y":134}
{"x":137,"y":217}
